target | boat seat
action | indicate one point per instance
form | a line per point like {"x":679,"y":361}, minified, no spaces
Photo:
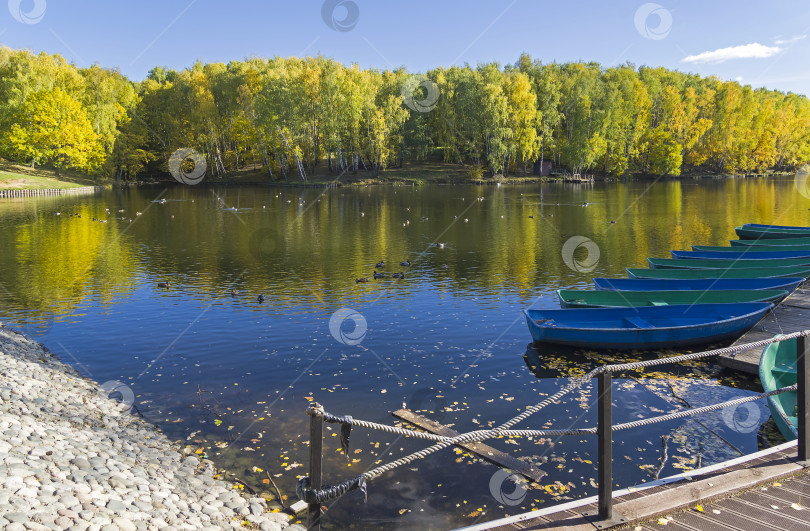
{"x":638,"y":322}
{"x":788,"y":368}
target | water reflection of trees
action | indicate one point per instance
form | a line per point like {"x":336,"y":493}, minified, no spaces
{"x":312,"y":245}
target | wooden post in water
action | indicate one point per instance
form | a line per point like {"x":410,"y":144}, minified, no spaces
{"x":802,"y":367}
{"x":604,"y":430}
{"x":315,"y":460}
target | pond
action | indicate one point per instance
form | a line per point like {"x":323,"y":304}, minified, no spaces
{"x":233,"y":376}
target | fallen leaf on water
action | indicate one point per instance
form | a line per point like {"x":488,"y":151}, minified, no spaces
{"x":403,"y":511}
{"x":266,"y":481}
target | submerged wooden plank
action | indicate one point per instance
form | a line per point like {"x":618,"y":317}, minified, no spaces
{"x":482,"y":450}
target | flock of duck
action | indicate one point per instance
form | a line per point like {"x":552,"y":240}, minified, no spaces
{"x":381,"y":265}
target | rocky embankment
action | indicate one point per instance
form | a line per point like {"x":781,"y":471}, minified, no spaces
{"x":72,"y":458}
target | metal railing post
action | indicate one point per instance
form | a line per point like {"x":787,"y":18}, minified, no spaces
{"x":604,"y":432}
{"x":315,"y":460}
{"x":802,"y":366}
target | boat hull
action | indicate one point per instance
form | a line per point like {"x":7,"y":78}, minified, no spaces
{"x":747,"y":248}
{"x":724,"y":263}
{"x":796,"y":243}
{"x":753,"y":233}
{"x":570,"y":298}
{"x":638,"y":284}
{"x":777,"y":227}
{"x":752,"y":272}
{"x":777,"y":369}
{"x":643,"y":328}
{"x":747,"y":254}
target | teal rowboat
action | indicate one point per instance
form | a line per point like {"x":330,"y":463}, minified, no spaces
{"x":790,"y":242}
{"x":777,"y":369}
{"x":771,"y":227}
{"x":751,"y":272}
{"x":743,"y":263}
{"x":751,"y":248}
{"x":756,"y":233}
{"x":572,"y":298}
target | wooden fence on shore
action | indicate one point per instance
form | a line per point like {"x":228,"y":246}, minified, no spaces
{"x":50,"y":191}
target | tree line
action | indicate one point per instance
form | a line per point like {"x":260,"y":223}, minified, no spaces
{"x":288,"y":117}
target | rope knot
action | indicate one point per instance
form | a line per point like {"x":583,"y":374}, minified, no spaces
{"x":315,"y":410}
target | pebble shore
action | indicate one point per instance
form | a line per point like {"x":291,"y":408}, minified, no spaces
{"x":72,"y":458}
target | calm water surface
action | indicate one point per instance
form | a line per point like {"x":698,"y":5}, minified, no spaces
{"x":234,"y":377}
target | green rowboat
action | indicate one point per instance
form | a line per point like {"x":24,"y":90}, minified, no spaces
{"x":700,"y":263}
{"x":757,"y":233}
{"x":752,"y":272}
{"x":571,"y":298}
{"x":751,"y":248}
{"x":789,"y":242}
{"x":777,"y":369}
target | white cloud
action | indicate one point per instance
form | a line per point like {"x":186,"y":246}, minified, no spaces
{"x":745,"y":51}
{"x":791,"y":40}
{"x":738,"y":79}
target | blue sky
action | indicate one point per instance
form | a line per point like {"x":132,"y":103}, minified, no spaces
{"x":756,"y":43}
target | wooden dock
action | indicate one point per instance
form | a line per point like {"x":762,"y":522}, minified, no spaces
{"x":791,"y":315}
{"x":50,"y":191}
{"x":675,"y":499}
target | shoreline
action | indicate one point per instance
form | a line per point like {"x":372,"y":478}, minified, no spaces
{"x":411,"y":174}
{"x":515,"y":180}
{"x":72,"y":458}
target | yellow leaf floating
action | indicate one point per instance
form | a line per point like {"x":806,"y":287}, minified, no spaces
{"x":699,"y":507}
{"x":403,"y":511}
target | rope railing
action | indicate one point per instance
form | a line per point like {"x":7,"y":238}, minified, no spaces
{"x":315,"y":496}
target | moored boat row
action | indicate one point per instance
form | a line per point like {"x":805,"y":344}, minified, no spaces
{"x":704,"y":295}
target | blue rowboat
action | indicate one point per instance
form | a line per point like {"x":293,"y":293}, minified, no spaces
{"x":782,"y":227}
{"x":748,"y":255}
{"x":724,"y":263}
{"x":804,"y":248}
{"x":756,"y":233}
{"x":772,"y":242}
{"x":777,"y":369}
{"x":748,"y":272}
{"x":641,"y":284}
{"x":646,"y":327}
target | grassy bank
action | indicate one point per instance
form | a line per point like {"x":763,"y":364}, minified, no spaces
{"x":16,"y":177}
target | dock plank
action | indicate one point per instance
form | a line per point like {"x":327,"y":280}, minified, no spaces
{"x":744,"y":493}
{"x":482,"y":450}
{"x":791,"y":315}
